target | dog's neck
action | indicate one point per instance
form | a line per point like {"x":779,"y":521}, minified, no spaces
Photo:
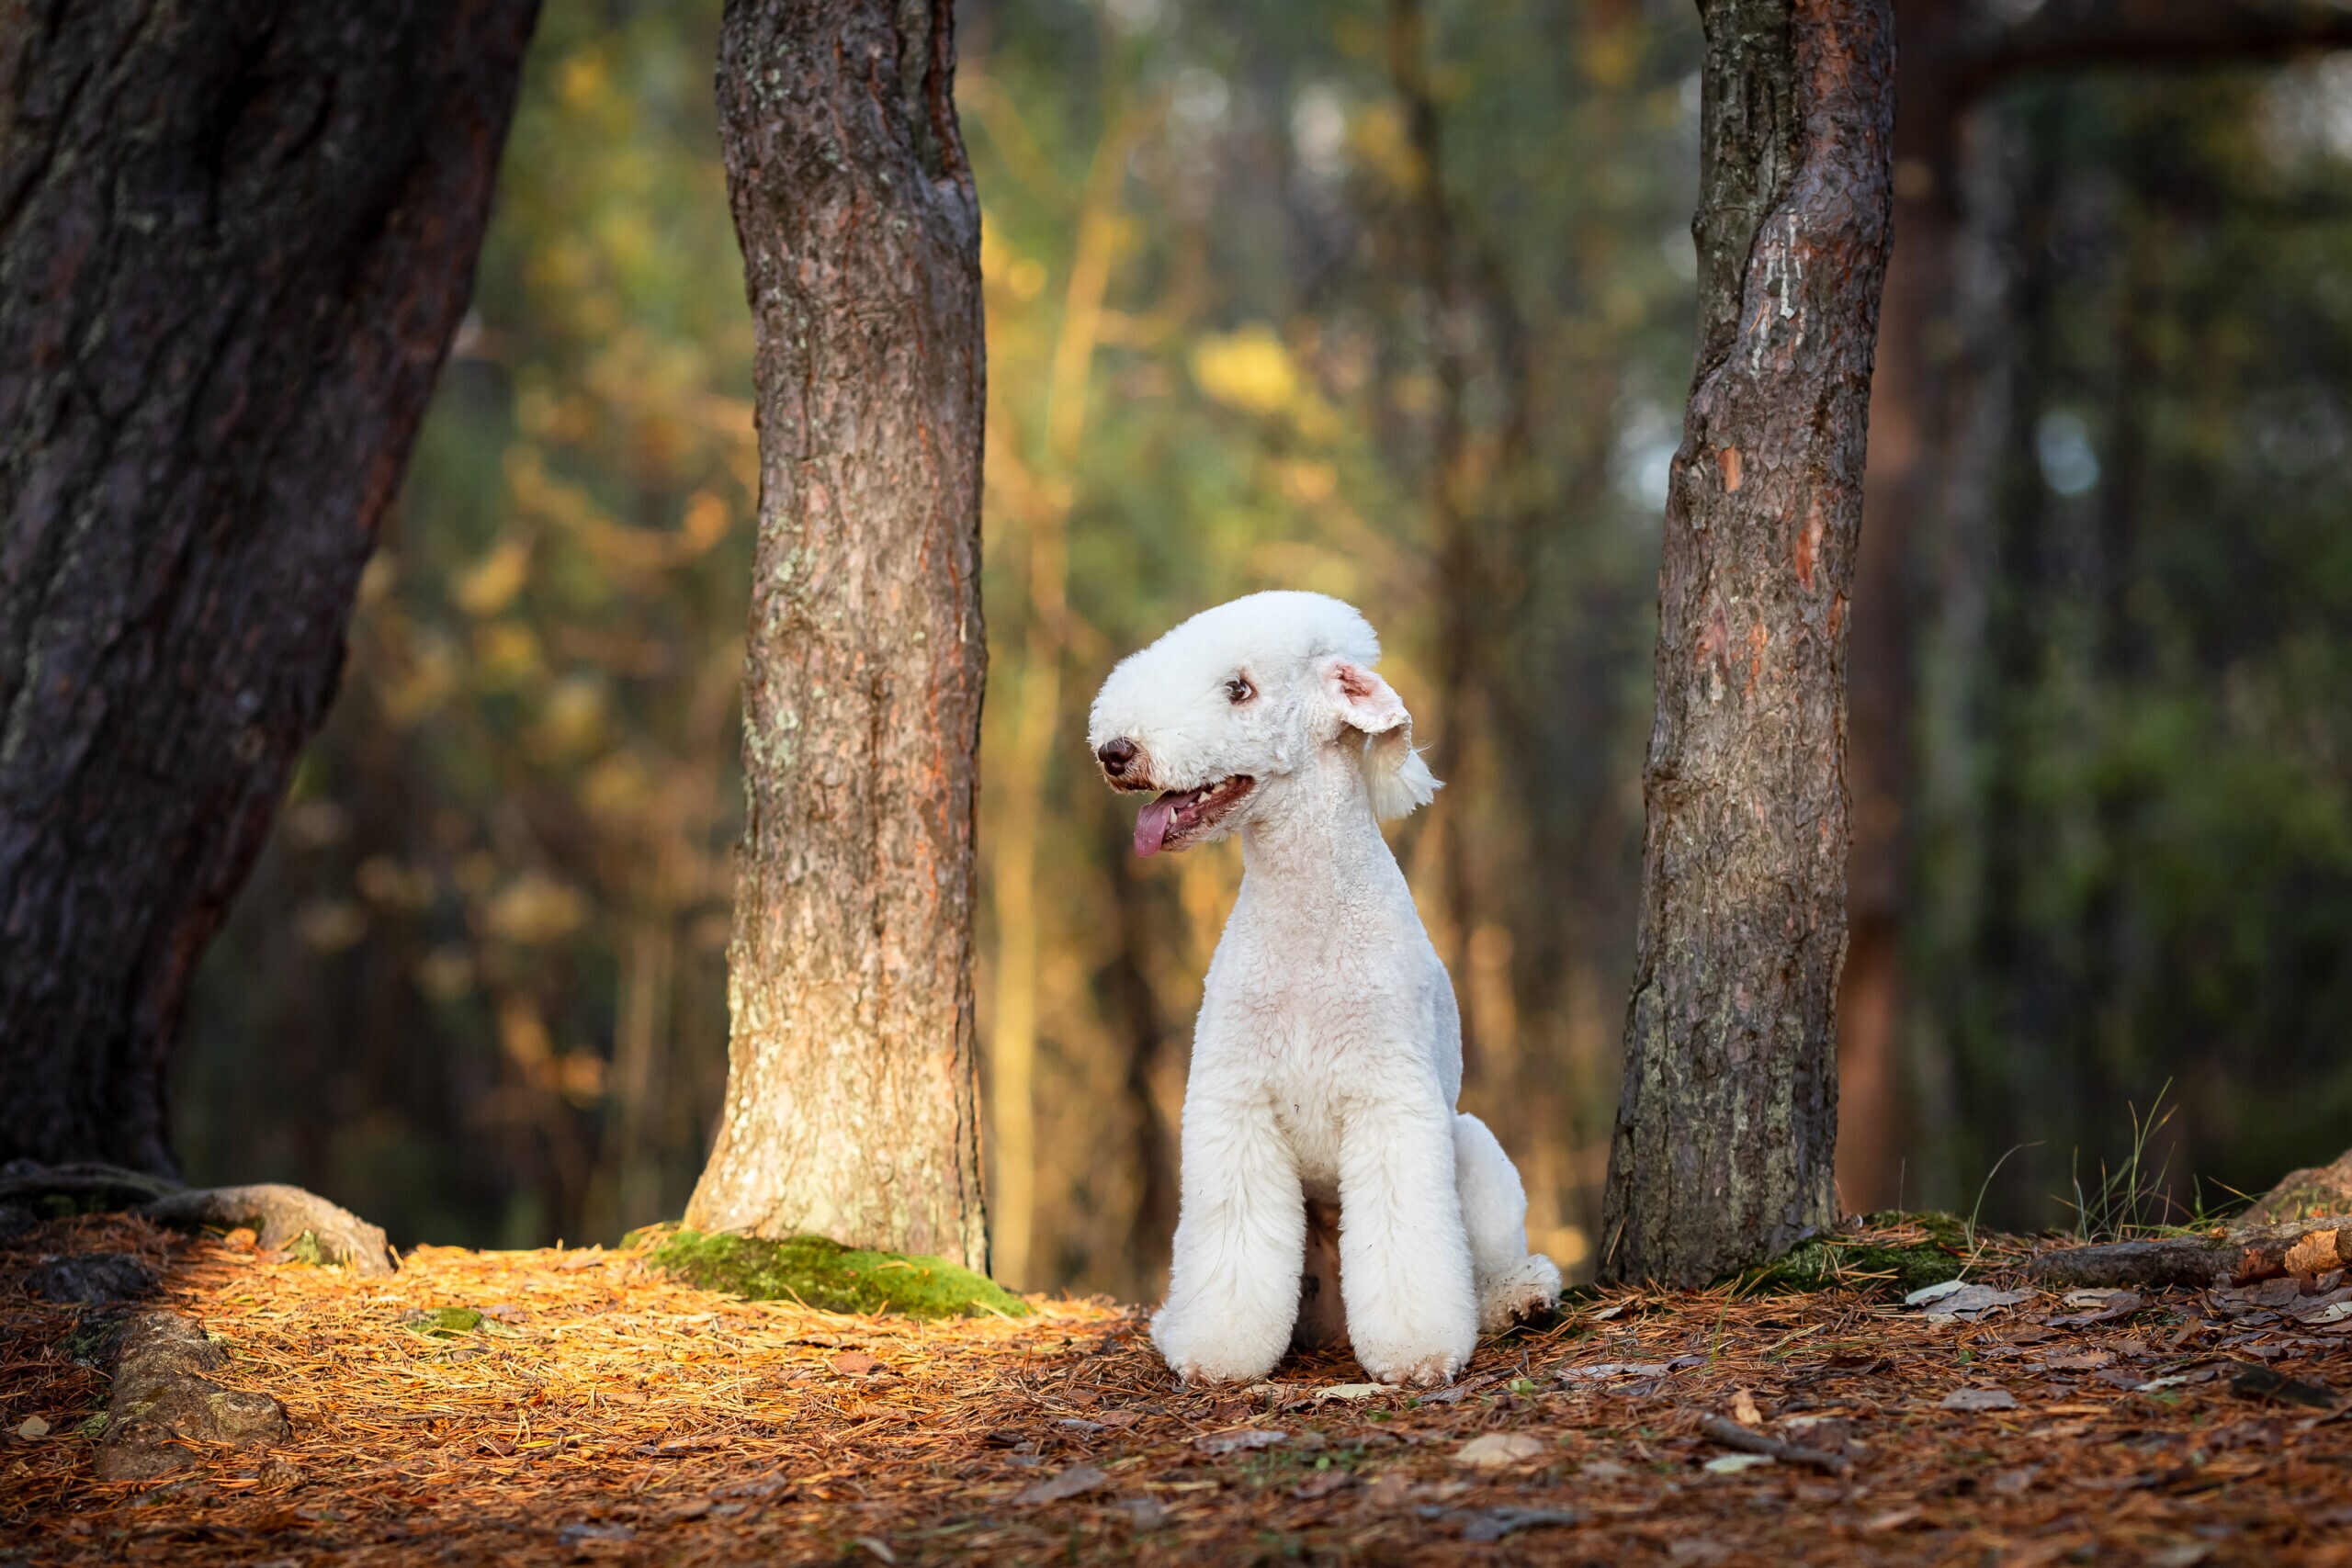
{"x":1322,"y":833}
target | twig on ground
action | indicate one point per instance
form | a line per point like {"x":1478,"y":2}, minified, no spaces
{"x":1732,"y":1435}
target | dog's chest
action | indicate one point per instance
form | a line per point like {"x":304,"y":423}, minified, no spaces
{"x":1309,"y":1102}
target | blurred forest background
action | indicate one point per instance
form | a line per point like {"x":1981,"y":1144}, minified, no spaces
{"x":1390,"y":299}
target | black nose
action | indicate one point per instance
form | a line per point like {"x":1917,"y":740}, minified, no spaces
{"x":1116,"y":757}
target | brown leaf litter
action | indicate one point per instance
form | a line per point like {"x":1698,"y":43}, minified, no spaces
{"x":596,"y":1412}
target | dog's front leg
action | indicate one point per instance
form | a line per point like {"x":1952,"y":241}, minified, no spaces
{"x":1404,"y":1259}
{"x":1233,"y":1280}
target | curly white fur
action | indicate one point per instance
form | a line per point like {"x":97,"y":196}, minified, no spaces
{"x":1328,"y":1056}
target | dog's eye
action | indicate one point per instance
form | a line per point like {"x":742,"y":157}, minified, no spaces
{"x":1238,"y":690}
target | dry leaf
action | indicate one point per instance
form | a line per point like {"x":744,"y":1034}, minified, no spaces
{"x":1322,"y":1483}
{"x":1493,"y":1524}
{"x":1743,"y":1411}
{"x":1977,"y":1399}
{"x":1075,"y":1481}
{"x":1236,"y":1441}
{"x":1351,"y":1391}
{"x":854,"y":1363}
{"x":1497,"y":1449}
{"x":1143,"y":1513}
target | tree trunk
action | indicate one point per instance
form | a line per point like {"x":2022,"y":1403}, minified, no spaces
{"x":1950,"y":57}
{"x":851,"y":1109}
{"x":1727,"y":1126}
{"x":234,"y":241}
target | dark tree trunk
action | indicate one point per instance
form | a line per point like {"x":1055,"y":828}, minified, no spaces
{"x":851,"y":1105}
{"x":1146,"y":1029}
{"x":1951,"y":56}
{"x":1727,"y":1131}
{"x":234,"y":241}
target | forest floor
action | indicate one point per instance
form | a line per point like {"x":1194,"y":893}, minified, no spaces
{"x":596,"y":1412}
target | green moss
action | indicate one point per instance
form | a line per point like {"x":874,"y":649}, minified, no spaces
{"x":1893,"y":1255}
{"x":446,"y":1322}
{"x":825,"y":1274}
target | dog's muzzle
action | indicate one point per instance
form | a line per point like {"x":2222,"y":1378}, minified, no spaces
{"x":1123,"y":763}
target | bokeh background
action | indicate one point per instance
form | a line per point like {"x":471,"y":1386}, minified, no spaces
{"x":1390,"y":299}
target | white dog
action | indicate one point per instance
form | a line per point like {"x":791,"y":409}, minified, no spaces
{"x":1320,"y":1110}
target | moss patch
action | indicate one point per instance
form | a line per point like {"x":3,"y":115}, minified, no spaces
{"x":1893,"y":1255}
{"x":821,"y":1273}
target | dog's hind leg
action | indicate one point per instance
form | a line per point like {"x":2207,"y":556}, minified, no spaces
{"x":1322,"y":1316}
{"x":1514,"y":1284}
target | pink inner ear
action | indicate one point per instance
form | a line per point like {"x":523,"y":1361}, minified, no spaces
{"x":1356,"y":685}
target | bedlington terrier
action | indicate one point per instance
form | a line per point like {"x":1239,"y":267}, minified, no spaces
{"x":1319,"y":1127}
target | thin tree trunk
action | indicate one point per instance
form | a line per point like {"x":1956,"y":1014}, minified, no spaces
{"x":850,"y":1106}
{"x":234,"y":241}
{"x":1143,"y":1026}
{"x":1906,"y":446}
{"x":1951,"y":56}
{"x":1462,"y":602}
{"x":1037,"y":709}
{"x":1727,"y":1130}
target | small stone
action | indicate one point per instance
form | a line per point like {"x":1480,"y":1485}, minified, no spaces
{"x":32,"y":1426}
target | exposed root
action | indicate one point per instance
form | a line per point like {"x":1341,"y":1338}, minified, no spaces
{"x":2308,"y":1246}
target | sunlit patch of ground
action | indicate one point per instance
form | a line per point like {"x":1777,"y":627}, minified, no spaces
{"x":597,"y":1411}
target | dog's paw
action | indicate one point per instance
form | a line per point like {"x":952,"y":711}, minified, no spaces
{"x":1428,"y":1371}
{"x":1528,"y":1291}
{"x":1207,"y":1357}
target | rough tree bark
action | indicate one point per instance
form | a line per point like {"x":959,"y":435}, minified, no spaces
{"x":850,"y":1098}
{"x":1951,"y":57}
{"x":1727,"y":1131}
{"x":234,"y":241}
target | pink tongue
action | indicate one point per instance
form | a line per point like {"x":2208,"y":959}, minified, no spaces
{"x":1151,"y":825}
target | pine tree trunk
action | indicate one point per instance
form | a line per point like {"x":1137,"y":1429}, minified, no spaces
{"x":850,"y":1098}
{"x":1726,"y":1132}
{"x":234,"y":240}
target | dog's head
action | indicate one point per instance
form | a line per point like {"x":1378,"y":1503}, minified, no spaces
{"x":1225,"y":715}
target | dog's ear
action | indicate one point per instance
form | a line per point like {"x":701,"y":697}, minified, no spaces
{"x":1392,"y":770}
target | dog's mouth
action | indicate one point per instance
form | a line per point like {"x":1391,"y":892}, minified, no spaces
{"x":1180,"y":816}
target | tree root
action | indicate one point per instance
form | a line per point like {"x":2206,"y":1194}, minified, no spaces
{"x":2304,"y":1194}
{"x":2239,"y":1257}
{"x":279,"y":1215}
{"x":164,"y":1398}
